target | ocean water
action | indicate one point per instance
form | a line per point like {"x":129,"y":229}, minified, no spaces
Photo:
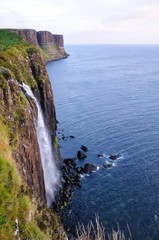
{"x":107,"y":96}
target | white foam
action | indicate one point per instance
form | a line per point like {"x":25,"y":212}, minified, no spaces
{"x":98,"y":168}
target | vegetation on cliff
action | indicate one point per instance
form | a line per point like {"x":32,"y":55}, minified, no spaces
{"x":20,"y":215}
{"x":23,"y":214}
{"x":8,"y":39}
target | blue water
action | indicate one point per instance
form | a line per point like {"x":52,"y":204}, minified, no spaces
{"x":107,"y":97}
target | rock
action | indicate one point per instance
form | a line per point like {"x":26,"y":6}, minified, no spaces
{"x":107,"y":165}
{"x":78,"y":185}
{"x":63,"y":180}
{"x":114,"y":157}
{"x":53,"y":43}
{"x":84,"y":148}
{"x":88,"y":168}
{"x":81,"y":155}
{"x":70,"y":162}
{"x":71,"y":136}
{"x":80,"y":170}
{"x":100,"y":155}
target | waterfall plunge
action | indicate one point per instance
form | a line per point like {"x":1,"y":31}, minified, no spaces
{"x":51,"y":173}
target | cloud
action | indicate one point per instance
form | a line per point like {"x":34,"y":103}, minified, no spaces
{"x":83,"y":20}
{"x":149,"y":12}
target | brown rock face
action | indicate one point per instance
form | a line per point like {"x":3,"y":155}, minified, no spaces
{"x":23,"y":136}
{"x":19,"y":113}
{"x":43,"y":90}
{"x":28,"y":35}
{"x":45,"y":37}
{"x":52,"y":44}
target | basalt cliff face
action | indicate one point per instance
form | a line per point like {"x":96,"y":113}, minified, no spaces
{"x":23,"y":212}
{"x":20,"y":63}
{"x":51,"y":44}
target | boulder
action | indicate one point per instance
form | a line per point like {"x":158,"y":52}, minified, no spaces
{"x":100,"y":155}
{"x":81,"y":155}
{"x":70,"y":162}
{"x":107,"y":165}
{"x":114,"y":157}
{"x":71,"y":136}
{"x":79,"y":170}
{"x":88,"y":168}
{"x":84,"y":148}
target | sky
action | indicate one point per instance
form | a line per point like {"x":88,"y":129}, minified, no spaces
{"x":86,"y":21}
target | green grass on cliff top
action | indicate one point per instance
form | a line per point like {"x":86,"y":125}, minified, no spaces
{"x":8,"y":39}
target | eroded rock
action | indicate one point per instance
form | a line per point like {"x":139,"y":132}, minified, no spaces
{"x":84,"y":148}
{"x":81,"y":155}
{"x":114,"y":157}
{"x":107,"y":165}
{"x":89,"y":167}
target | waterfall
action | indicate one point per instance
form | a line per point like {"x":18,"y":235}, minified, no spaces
{"x":50,"y":171}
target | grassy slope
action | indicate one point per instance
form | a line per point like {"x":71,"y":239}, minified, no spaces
{"x":8,"y":39}
{"x":14,"y":200}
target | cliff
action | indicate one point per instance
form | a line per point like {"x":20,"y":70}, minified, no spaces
{"x":22,"y":61}
{"x":52,"y":45}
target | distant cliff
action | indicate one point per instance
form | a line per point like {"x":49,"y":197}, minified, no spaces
{"x":51,"y":44}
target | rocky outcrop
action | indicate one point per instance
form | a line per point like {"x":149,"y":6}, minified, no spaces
{"x":81,"y":155}
{"x":43,"y":89}
{"x":28,"y":35}
{"x":114,"y":157}
{"x":51,"y":44}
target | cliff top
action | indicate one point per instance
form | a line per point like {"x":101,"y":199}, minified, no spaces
{"x":52,"y":45}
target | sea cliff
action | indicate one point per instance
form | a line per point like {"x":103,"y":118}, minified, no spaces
{"x":23,"y":54}
{"x":51,"y":44}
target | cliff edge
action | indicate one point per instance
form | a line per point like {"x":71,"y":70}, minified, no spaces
{"x":52,"y":45}
{"x":23,"y":212}
{"x":21,"y":62}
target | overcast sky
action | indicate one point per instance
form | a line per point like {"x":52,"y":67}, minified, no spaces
{"x":86,"y":21}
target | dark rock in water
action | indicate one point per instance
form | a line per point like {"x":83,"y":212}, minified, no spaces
{"x":63,"y":180}
{"x":84,"y":148}
{"x":88,"y":168}
{"x":80,"y":170}
{"x":100,"y":155}
{"x":114,"y":157}
{"x":107,"y":165}
{"x":70,"y":179}
{"x":78,"y":185}
{"x":70,"y":162}
{"x":57,"y":122}
{"x":81,"y":155}
{"x":71,"y":136}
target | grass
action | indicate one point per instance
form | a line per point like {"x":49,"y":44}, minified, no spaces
{"x":97,"y":232}
{"x":8,"y":39}
{"x":15,"y":203}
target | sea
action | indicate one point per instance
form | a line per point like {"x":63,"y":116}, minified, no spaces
{"x":107,"y":97}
